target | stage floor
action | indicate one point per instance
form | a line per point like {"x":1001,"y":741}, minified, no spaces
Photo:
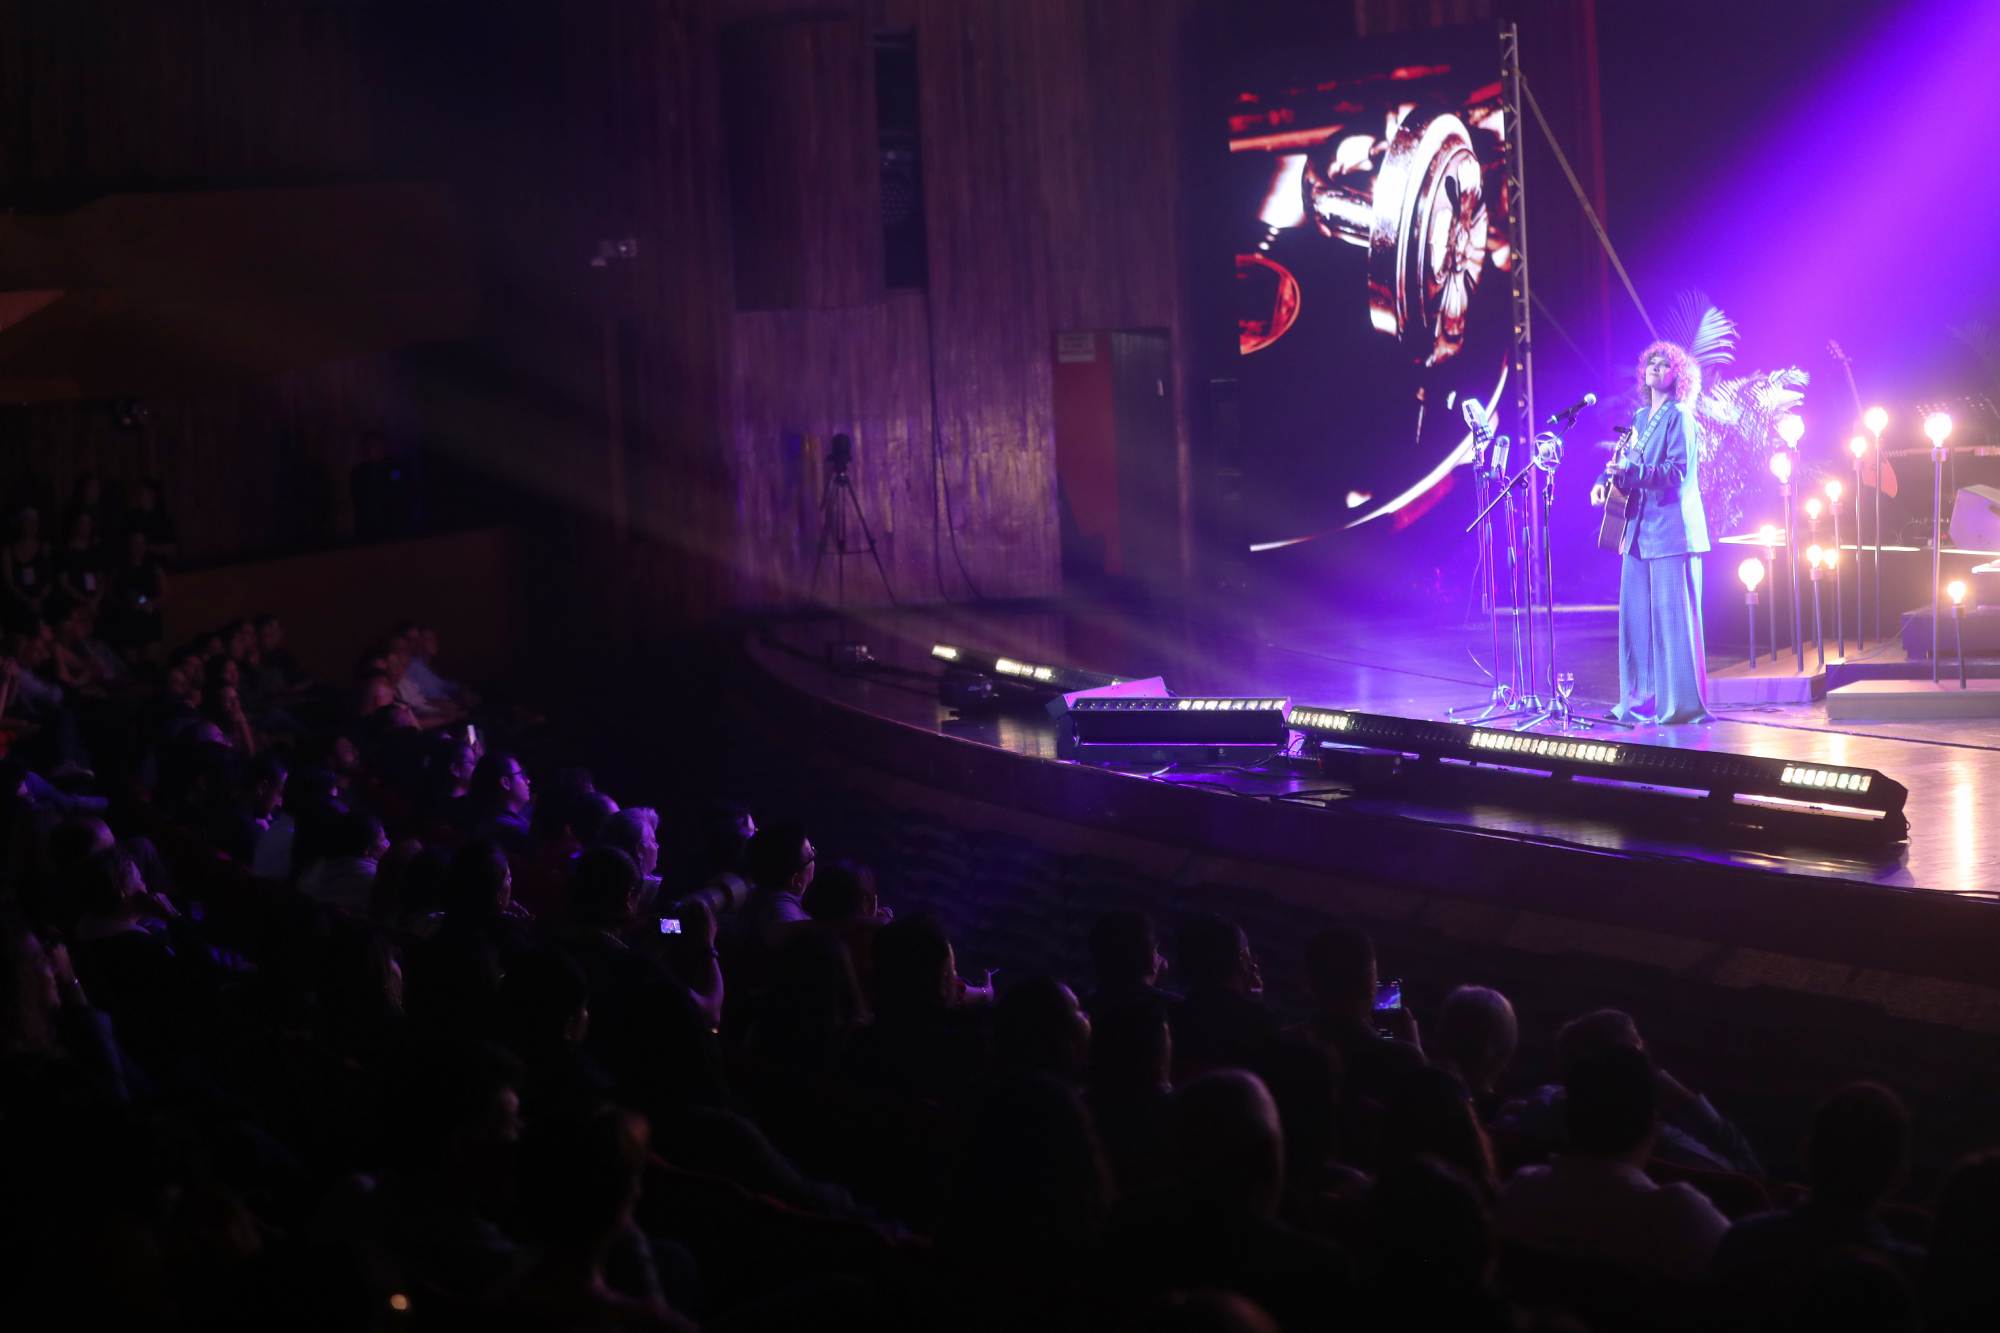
{"x":1951,"y":768}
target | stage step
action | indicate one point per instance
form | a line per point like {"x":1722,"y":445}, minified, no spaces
{"x":1736,"y":685}
{"x":1893,"y":700}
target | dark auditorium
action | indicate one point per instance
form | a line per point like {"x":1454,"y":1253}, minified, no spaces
{"x":662,"y":668}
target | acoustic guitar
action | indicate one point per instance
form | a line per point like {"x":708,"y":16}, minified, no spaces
{"x":1617,"y":504}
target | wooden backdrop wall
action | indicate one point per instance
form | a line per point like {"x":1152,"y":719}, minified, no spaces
{"x":674,"y":423}
{"x":104,"y":97}
{"x":1049,"y":151}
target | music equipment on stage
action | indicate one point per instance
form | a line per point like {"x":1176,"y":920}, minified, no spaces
{"x":1978,"y":634}
{"x":1421,"y":759}
{"x":1887,"y":484}
{"x":1567,"y":417}
{"x":1104,"y":726}
{"x":1497,"y":541}
{"x":1538,"y":563}
{"x":1975,"y":517}
{"x":1870,"y":470}
{"x":1617,"y":504}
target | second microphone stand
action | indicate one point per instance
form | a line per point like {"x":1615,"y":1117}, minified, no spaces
{"x":1548,"y":458}
{"x":1540,"y":473}
{"x":1489,"y":466}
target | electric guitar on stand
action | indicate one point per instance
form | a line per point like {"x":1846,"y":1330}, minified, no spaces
{"x":1886,"y":483}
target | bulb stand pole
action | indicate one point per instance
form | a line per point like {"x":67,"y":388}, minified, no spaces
{"x":1819,"y":634}
{"x":1792,"y":557}
{"x":1937,"y":547}
{"x":1878,"y":536}
{"x":1860,"y":632}
{"x":1958,"y":636}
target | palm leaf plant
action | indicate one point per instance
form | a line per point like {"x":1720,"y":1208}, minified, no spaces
{"x":1737,"y":415}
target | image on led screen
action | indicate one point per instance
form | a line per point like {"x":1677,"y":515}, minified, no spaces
{"x":1367,"y":216}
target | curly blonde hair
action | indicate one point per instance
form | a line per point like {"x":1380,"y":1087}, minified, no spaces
{"x":1687,"y":370}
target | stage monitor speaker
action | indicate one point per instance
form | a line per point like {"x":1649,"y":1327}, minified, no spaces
{"x":1975,"y":518}
{"x":1977,"y":632}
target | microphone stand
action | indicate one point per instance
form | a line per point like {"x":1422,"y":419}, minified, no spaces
{"x":1526,"y":700}
{"x":1498,"y":703}
{"x":1548,"y":456}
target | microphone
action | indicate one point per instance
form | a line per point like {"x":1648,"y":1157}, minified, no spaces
{"x":1569,"y":414}
{"x":1475,"y":421}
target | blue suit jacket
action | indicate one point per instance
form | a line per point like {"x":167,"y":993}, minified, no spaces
{"x":1669,"y":519}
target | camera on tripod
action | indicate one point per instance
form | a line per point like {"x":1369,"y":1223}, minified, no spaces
{"x":837,"y":503}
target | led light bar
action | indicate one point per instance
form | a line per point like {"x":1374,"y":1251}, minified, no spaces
{"x":1195,"y":720}
{"x":1045,"y":678}
{"x":1320,"y":721}
{"x":1550,"y":747}
{"x":1861,"y":800}
{"x":1827,"y":779}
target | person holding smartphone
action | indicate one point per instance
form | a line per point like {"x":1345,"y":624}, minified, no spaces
{"x":1366,"y":1023}
{"x":138,"y":589}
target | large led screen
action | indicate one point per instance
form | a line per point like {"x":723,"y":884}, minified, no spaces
{"x":1364,"y":212}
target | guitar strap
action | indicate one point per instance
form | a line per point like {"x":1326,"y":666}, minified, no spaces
{"x":1653,"y":428}
{"x":1635,"y":503}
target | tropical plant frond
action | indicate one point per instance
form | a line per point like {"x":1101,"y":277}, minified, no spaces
{"x":1738,"y":419}
{"x":1683,"y":317}
{"x":1699,"y":325}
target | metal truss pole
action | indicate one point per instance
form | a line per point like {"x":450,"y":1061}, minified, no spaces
{"x":1520,"y":358}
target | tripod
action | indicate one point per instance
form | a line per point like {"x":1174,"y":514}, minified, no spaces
{"x":836,"y":498}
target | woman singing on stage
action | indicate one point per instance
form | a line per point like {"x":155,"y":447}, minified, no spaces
{"x":1662,"y":667}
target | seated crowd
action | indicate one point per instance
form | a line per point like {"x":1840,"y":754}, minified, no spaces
{"x":327,"y":1010}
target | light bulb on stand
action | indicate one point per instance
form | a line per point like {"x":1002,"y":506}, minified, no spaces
{"x":1751,"y":571}
{"x":1767,"y":537}
{"x":1817,"y":559}
{"x":1877,"y":421}
{"x":1937,"y":427}
{"x":1858,"y":445}
{"x":1792,"y":429}
{"x":1832,"y":489}
{"x":1812,"y":509}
